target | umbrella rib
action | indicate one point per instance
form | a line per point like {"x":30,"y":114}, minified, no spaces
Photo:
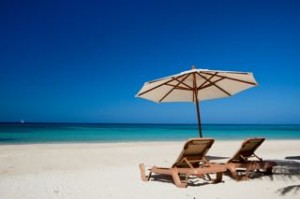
{"x":211,"y":84}
{"x":179,"y":87}
{"x":165,"y":83}
{"x":207,"y":80}
{"x":214,"y":84}
{"x":201,"y":86}
{"x":174,"y":87}
{"x":231,"y":78}
{"x":188,"y":87}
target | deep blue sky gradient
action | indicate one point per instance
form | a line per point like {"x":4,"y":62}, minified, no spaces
{"x":84,"y":61}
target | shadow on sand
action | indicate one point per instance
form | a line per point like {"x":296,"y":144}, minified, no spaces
{"x":288,"y":171}
{"x":193,"y":181}
{"x":293,"y":158}
{"x":210,"y":158}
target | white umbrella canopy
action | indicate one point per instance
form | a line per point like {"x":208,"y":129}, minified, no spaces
{"x":197,"y":85}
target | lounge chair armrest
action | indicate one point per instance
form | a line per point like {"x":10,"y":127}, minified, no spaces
{"x":245,"y":159}
{"x":206,"y":161}
{"x":260,"y":159}
{"x":188,"y":162}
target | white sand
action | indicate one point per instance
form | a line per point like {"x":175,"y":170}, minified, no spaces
{"x":111,"y":171}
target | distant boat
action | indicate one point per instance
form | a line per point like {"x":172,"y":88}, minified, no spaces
{"x":22,"y":121}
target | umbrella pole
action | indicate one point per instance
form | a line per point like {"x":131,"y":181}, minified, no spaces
{"x":195,"y":91}
{"x":198,"y":117}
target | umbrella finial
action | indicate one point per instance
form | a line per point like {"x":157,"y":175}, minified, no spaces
{"x":193,"y":67}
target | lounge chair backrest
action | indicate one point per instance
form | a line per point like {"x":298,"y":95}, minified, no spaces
{"x":193,"y":151}
{"x":247,"y":149}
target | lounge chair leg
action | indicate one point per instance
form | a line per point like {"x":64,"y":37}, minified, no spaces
{"x":143,"y":175}
{"x":247,"y":174}
{"x":177,"y":181}
{"x":208,"y":177}
{"x":269,"y":171}
{"x":232,"y":171}
{"x":219,"y":176}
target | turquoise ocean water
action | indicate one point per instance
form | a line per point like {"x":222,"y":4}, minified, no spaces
{"x":56,"y":133}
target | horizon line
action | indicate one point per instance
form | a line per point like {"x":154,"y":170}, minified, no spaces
{"x":141,"y":123}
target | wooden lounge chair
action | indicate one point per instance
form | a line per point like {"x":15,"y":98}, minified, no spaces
{"x":191,"y":162}
{"x":245,"y":162}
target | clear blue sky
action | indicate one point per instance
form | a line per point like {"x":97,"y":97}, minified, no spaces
{"x":84,"y":61}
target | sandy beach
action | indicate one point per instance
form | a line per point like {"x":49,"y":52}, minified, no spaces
{"x":110,"y":170}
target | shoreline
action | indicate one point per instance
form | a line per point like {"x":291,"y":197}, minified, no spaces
{"x":137,"y":141}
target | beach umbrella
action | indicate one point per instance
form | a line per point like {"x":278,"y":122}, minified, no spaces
{"x":197,"y":85}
